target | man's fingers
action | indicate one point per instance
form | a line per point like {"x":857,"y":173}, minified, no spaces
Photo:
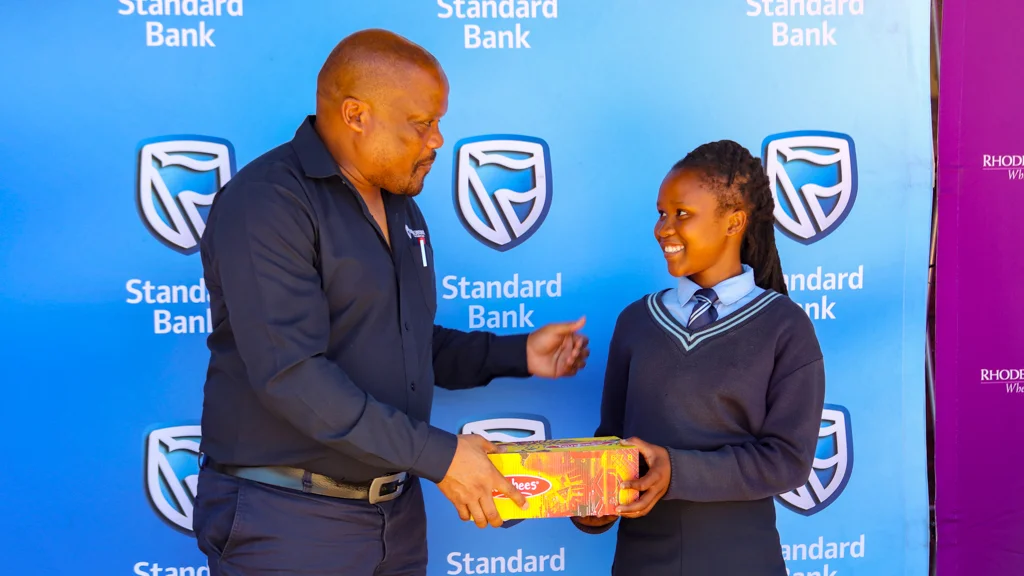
{"x":580,"y":343}
{"x":565,"y":352}
{"x":572,"y":356}
{"x":568,"y":327}
{"x":506,"y":487}
{"x":581,"y":361}
{"x":566,"y":357}
{"x":478,"y":514}
{"x":575,"y":368}
{"x":464,"y":514}
{"x":580,"y":351}
{"x":487,"y":446}
{"x":577,"y":325}
{"x":490,"y":512}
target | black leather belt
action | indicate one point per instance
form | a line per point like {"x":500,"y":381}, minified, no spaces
{"x":378,"y":490}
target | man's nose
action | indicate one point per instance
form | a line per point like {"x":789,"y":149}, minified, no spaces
{"x":435,"y":140}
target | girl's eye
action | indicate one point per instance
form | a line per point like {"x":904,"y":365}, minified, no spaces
{"x":661,"y":214}
{"x":680,"y":213}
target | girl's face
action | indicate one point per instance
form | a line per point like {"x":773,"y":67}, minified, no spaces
{"x":695,"y":238}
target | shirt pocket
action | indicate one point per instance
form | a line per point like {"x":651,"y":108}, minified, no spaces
{"x":425,"y":274}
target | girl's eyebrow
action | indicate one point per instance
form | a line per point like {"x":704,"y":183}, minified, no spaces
{"x":682,"y":205}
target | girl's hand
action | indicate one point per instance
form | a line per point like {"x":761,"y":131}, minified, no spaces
{"x":653,"y":485}
{"x":595,"y":521}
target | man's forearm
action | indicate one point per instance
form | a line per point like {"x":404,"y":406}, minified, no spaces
{"x":472,"y":359}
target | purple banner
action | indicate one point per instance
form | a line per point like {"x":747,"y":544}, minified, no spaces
{"x":979,"y":463}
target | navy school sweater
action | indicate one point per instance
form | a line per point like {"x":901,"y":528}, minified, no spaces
{"x":738,"y":406}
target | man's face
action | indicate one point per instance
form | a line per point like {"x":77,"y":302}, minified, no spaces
{"x":403,"y":135}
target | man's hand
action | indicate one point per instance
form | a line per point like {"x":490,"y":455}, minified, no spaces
{"x":653,"y":485}
{"x":557,"y":350}
{"x":471,"y":480}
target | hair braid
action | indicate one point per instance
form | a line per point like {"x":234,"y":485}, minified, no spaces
{"x":743,"y":183}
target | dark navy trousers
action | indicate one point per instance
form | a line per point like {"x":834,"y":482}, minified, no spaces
{"x":248,"y":528}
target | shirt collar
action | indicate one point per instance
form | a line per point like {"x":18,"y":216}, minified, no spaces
{"x":316,"y":160}
{"x":729,"y":290}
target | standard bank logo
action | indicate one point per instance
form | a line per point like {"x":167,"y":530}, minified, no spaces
{"x":833,"y":465}
{"x":178,"y":178}
{"x":813,"y":178}
{"x":172,"y":472}
{"x":509,"y":428}
{"x":502,"y":187}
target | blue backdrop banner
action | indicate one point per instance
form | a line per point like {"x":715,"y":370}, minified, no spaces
{"x":121,"y":118}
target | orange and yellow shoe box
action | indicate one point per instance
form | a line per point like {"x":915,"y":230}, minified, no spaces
{"x":568,"y":477}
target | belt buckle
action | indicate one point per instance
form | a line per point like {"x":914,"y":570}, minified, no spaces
{"x":381,"y":482}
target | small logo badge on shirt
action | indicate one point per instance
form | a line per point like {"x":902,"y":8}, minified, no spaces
{"x":415,"y":233}
{"x":422,"y":237}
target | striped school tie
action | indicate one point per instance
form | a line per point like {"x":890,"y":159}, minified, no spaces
{"x":704,"y":312}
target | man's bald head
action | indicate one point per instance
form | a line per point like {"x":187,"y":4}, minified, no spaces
{"x":371,"y":63}
{"x":379,"y":100}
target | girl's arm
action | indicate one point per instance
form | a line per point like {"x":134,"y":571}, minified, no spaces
{"x":778,"y":461}
{"x":616,"y":379}
{"x":613,"y":406}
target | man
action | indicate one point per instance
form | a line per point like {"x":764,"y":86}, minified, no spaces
{"x":324,"y":354}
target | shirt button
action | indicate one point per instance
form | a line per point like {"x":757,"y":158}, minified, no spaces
{"x":406,"y":326}
{"x":412,"y":385}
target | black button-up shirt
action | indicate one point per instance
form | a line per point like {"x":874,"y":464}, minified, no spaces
{"x":324,"y":351}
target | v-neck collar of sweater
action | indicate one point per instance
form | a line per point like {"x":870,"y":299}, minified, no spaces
{"x":690,"y":339}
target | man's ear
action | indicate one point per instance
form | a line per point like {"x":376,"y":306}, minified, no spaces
{"x":355,"y":114}
{"x":737,"y":222}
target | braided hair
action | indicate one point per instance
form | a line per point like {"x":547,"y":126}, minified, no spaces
{"x":741,"y":183}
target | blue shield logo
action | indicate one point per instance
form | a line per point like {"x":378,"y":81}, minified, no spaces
{"x":833,"y":465}
{"x":509,"y":428}
{"x":813,"y":178}
{"x":172,"y":473}
{"x":178,"y":178}
{"x":502,"y":187}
